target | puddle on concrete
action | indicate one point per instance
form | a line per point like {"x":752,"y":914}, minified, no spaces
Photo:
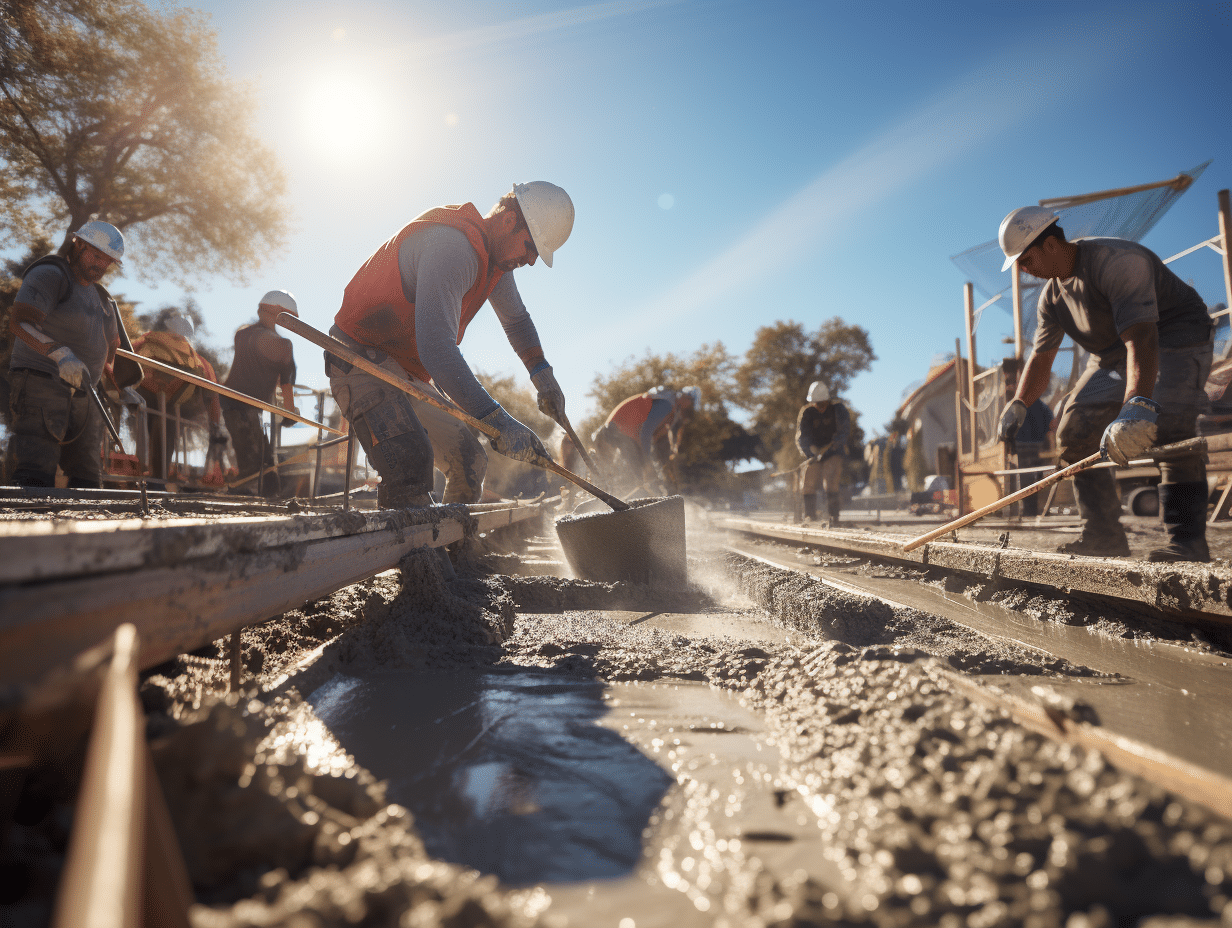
{"x":506,"y":772}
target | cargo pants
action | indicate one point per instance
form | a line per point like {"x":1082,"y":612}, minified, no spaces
{"x":404,"y":437}
{"x":54,"y":425}
{"x":1098,"y":398}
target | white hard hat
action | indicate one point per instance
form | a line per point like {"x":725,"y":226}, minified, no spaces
{"x":1020,"y":228}
{"x":548,"y":212}
{"x":818,"y":392}
{"x":103,"y":236}
{"x":280,"y":298}
{"x":180,"y":325}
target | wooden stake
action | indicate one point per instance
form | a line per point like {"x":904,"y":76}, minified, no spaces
{"x":969,"y":305}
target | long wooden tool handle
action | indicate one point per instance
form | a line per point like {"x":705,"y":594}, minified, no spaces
{"x":577,"y":443}
{"x":339,"y":350}
{"x":221,"y":390}
{"x":1003,"y":502}
{"x":1188,"y":446}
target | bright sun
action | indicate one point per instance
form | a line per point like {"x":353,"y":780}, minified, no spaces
{"x":342,"y":117}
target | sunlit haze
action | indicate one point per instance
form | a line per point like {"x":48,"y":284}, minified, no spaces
{"x":732,"y":163}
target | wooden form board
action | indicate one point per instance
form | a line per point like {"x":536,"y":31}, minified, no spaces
{"x":208,"y":582}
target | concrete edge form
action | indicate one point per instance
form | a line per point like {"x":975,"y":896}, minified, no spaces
{"x":1180,"y":589}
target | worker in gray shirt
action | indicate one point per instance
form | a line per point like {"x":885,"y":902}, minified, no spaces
{"x":407,"y":310}
{"x":65,"y":332}
{"x":1150,"y":339}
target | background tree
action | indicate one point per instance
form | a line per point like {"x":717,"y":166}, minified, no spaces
{"x":113,"y":110}
{"x":711,"y":440}
{"x":783,"y":360}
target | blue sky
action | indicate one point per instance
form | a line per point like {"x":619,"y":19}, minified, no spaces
{"x":732,"y":163}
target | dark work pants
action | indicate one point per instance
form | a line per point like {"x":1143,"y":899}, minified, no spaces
{"x":54,"y":425}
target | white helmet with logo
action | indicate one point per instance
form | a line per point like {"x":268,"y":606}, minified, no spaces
{"x":103,"y":236}
{"x":1020,"y":228}
{"x":818,"y":392}
{"x":282,"y":299}
{"x":548,"y":212}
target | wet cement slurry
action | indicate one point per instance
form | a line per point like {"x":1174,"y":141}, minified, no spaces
{"x":1175,"y":695}
{"x":793,"y":756}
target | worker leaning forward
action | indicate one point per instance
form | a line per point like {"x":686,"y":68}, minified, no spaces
{"x":644,"y":432}
{"x":1150,"y":339}
{"x":822,"y":429}
{"x":407,"y":310}
{"x":264,"y":362}
{"x":65,"y":332}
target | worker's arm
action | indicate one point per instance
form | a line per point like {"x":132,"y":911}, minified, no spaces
{"x":524,"y":339}
{"x":1141,"y":359}
{"x":288,"y":397}
{"x":1035,"y":376}
{"x":843,"y":421}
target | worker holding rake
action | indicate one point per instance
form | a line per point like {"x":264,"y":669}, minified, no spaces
{"x":407,"y":310}
{"x":1150,"y":340}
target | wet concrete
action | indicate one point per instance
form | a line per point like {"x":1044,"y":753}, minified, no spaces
{"x":508,"y":772}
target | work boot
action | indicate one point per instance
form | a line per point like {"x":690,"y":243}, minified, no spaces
{"x":400,"y":496}
{"x":835,"y":505}
{"x":1184,"y":509}
{"x":810,"y":507}
{"x":1100,"y":508}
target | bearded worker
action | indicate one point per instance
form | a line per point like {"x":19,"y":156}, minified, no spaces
{"x":407,"y":310}
{"x":65,"y":331}
{"x":1150,"y":339}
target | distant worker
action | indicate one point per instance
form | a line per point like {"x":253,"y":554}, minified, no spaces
{"x":407,"y":310}
{"x":65,"y":331}
{"x":1150,"y":340}
{"x":645,"y":432}
{"x":263,"y":363}
{"x":170,"y":341}
{"x":822,"y":429}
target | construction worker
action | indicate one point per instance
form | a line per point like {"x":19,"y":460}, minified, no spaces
{"x":642,"y":423}
{"x":264,"y":363}
{"x":1150,"y":340}
{"x":65,"y":331}
{"x":407,"y":310}
{"x":822,"y":428}
{"x":170,"y":341}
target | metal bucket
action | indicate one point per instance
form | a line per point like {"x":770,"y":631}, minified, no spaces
{"x":644,"y":543}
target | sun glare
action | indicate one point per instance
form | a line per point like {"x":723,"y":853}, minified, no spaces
{"x":343,"y":119}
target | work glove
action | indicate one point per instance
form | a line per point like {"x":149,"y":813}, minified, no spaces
{"x":1011,"y":420}
{"x":515,"y":440}
{"x":1132,"y":432}
{"x":218,"y":434}
{"x":818,"y":451}
{"x":72,"y":369}
{"x":551,"y":396}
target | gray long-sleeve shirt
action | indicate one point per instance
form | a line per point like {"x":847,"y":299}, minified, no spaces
{"x":438,"y":266}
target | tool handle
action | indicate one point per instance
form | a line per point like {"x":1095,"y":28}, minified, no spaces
{"x":218,"y":388}
{"x":115,"y":436}
{"x":577,"y":443}
{"x":336,"y":348}
{"x":1003,"y":502}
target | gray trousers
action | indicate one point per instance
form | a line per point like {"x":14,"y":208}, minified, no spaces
{"x":405,"y":437}
{"x":1098,"y":399}
{"x":54,"y":425}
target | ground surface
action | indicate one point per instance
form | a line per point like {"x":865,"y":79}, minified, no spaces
{"x":757,"y":749}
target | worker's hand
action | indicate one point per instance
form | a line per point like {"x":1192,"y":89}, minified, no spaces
{"x":218,"y":434}
{"x":73,"y":370}
{"x":1132,"y":432}
{"x":515,"y":440}
{"x":551,"y":396}
{"x":1011,"y":420}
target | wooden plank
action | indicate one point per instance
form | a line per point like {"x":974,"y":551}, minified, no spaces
{"x":101,"y":883}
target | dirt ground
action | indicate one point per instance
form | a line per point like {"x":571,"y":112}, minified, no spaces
{"x":802,"y":759}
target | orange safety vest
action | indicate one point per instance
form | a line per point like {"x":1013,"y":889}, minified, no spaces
{"x":375,"y":311}
{"x":630,"y":415}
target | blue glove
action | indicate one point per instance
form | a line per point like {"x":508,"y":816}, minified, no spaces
{"x":1132,"y":432}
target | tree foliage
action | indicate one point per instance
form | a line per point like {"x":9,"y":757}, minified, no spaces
{"x":773,"y":380}
{"x":110,"y":109}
